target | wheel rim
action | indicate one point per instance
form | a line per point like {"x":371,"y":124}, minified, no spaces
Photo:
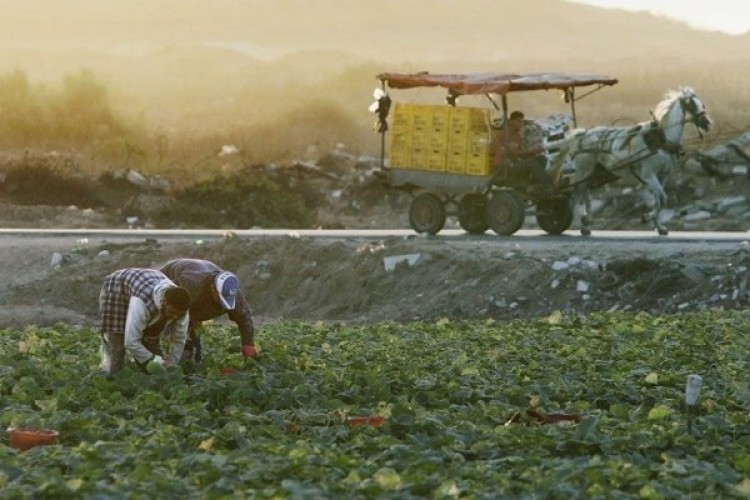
{"x":423,"y":213}
{"x":505,"y":212}
{"x":554,"y":216}
{"x":501,"y":215}
{"x":427,"y":214}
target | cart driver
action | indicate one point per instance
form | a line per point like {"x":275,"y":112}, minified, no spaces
{"x":525,"y":150}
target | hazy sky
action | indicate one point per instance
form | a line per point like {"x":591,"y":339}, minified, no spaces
{"x":730,"y":16}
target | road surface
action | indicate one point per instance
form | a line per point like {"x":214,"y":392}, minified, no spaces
{"x":530,"y":239}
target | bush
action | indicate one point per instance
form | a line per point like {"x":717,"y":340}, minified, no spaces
{"x":78,"y":113}
{"x":248,"y":199}
{"x":36,"y":182}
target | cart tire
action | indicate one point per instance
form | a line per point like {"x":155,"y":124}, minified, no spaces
{"x":472,"y":213}
{"x":506,"y":212}
{"x":554,"y":216}
{"x":427,"y":214}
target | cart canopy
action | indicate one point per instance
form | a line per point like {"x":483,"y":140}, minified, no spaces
{"x":494,"y":83}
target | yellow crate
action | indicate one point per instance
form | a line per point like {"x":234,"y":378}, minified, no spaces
{"x":400,"y":137}
{"x":436,"y":160}
{"x":438,"y":138}
{"x":478,"y":164}
{"x":457,"y":145}
{"x":455,"y":162}
{"x":469,"y":118}
{"x":440,"y":120}
{"x":420,"y":141}
{"x":399,"y":151}
{"x":480,"y":144}
{"x":439,"y":141}
{"x":458,"y":134}
{"x":401,"y":115}
{"x":457,"y":142}
{"x":419,"y":158}
{"x":398,"y":161}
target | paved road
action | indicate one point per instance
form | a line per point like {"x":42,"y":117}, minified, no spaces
{"x":370,"y":233}
{"x":523,"y":239}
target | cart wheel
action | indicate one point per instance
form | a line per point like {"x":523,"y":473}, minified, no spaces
{"x":472,"y":213}
{"x":427,"y":214}
{"x":554,"y":215}
{"x":505,"y":212}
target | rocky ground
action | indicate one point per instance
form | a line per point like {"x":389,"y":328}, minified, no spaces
{"x":356,"y":281}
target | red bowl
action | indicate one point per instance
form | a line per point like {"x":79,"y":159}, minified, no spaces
{"x":371,"y":421}
{"x":23,"y":439}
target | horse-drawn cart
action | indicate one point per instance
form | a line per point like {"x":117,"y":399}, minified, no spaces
{"x":444,"y":155}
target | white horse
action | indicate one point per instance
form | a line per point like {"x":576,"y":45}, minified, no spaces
{"x":648,"y":151}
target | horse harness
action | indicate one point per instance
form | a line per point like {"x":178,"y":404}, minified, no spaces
{"x":653,"y":136}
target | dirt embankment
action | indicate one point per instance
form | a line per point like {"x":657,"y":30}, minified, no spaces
{"x":394,"y":279}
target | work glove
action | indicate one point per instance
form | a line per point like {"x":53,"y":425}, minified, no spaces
{"x":158,"y":363}
{"x":249,"y":351}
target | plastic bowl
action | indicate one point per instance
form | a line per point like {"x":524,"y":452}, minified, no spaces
{"x":25,"y":438}
{"x":371,"y":421}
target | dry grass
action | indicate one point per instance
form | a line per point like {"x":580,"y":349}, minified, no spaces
{"x":174,"y":81}
{"x":283,"y":119}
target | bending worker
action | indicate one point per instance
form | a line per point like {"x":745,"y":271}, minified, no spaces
{"x":132,"y":302}
{"x":213,"y":292}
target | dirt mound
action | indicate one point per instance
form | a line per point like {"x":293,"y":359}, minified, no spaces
{"x":394,"y":279}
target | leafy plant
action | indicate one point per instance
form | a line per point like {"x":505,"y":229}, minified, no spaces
{"x":450,"y":394}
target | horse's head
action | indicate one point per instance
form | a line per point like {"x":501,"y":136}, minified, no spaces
{"x":694,"y":109}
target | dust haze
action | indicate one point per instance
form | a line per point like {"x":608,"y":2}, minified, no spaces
{"x":251,"y":72}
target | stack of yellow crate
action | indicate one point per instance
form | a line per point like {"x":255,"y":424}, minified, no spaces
{"x":440,"y":138}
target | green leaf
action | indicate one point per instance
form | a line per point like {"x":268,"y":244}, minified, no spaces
{"x":660,"y":412}
{"x":585,"y":427}
{"x":387,"y":478}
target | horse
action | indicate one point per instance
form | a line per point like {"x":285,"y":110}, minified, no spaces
{"x":648,"y":151}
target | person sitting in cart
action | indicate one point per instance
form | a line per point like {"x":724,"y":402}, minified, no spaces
{"x":525,"y":150}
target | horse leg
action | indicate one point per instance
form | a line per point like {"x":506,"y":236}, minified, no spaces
{"x":583,"y":209}
{"x":586,"y":219}
{"x":660,"y":199}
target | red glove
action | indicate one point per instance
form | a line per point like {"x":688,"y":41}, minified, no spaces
{"x":249,"y":351}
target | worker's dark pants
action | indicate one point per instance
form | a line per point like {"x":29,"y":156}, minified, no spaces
{"x":193,"y":351}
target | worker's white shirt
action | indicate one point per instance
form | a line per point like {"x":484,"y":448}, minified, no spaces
{"x":137,"y":321}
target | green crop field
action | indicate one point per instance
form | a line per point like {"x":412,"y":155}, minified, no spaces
{"x":460,"y":403}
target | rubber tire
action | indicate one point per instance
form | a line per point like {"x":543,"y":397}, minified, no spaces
{"x":472,"y":213}
{"x":554,"y":215}
{"x":427,"y":214}
{"x":506,"y":212}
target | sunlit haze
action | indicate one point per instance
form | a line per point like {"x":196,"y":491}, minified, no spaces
{"x":729,"y":16}
{"x":272,"y":78}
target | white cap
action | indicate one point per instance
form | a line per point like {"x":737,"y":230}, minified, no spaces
{"x":227,"y":285}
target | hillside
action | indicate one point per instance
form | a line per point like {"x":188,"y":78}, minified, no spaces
{"x":232,"y":71}
{"x":418,"y":30}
